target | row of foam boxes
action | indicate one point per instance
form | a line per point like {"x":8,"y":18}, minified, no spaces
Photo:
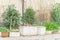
{"x":9,"y":34}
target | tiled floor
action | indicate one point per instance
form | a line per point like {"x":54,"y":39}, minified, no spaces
{"x":44,"y":37}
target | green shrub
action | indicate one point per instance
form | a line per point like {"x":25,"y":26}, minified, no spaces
{"x":11,"y":17}
{"x":55,"y":14}
{"x":51,"y":26}
{"x":3,"y":29}
{"x":29,"y":16}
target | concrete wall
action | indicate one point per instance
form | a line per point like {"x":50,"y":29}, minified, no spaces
{"x":43,"y":8}
{"x":40,"y":6}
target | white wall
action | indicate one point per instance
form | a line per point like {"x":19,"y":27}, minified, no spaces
{"x":40,"y":6}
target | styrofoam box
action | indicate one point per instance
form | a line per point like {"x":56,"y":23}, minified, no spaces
{"x":29,"y":30}
{"x":0,"y":34}
{"x":14,"y":33}
{"x":41,"y":30}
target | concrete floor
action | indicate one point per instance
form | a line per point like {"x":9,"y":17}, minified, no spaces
{"x":44,"y":37}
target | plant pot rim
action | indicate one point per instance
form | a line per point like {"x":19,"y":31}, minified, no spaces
{"x":32,"y":26}
{"x":7,"y":32}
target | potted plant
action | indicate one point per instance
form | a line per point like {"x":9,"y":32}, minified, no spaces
{"x":50,"y":27}
{"x":11,"y":18}
{"x":41,"y":29}
{"x":1,"y":29}
{"x":4,"y":32}
{"x":14,"y":32}
{"x":28,"y":18}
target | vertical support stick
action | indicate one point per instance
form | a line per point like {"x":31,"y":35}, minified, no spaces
{"x":23,"y":8}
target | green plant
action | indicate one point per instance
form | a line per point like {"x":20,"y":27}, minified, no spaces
{"x":11,"y":17}
{"x":51,"y":26}
{"x":37,"y":24}
{"x":3,"y":29}
{"x":29,"y":16}
{"x":14,"y":30}
{"x":55,"y":14}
